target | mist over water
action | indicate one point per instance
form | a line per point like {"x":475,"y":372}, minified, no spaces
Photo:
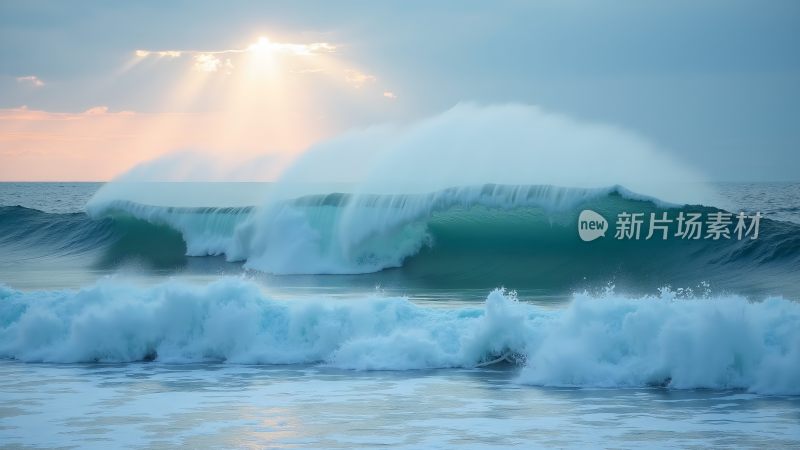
{"x":502,"y":144}
{"x":467,"y":145}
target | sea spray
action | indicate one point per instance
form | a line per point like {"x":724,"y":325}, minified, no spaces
{"x":471,"y":144}
{"x":363,"y":201}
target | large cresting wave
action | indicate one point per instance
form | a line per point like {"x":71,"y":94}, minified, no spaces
{"x":482,"y":236}
{"x":341,"y":233}
{"x":610,"y":340}
{"x":524,"y":236}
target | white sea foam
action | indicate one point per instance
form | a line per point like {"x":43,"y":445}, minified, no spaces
{"x":724,"y":342}
{"x":719,"y":343}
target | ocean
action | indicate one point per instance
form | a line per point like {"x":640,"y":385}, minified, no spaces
{"x":148,"y":315}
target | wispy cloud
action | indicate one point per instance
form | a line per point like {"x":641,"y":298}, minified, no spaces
{"x":207,"y":62}
{"x":31,"y":80}
{"x":222,"y":61}
{"x":266,"y":56}
{"x":262,"y":44}
{"x":357,"y":79}
{"x":97,"y":110}
{"x":390,"y":95}
{"x":159,"y":54}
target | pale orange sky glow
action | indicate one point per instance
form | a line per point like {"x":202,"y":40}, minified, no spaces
{"x":99,"y":145}
{"x":263,"y":102}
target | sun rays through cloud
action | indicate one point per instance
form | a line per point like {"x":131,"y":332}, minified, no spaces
{"x":268,"y":97}
{"x":259,"y":90}
{"x":265,"y":56}
{"x":212,"y":60}
{"x":262,"y":44}
{"x":265,"y":79}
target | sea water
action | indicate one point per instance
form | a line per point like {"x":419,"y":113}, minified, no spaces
{"x":149,"y":322}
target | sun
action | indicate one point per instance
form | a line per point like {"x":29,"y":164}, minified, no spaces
{"x":262,"y":45}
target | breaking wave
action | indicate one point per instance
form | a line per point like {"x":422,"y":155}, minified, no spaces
{"x":607,"y":340}
{"x":475,"y":236}
{"x":347,"y":233}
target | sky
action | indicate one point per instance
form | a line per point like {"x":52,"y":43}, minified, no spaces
{"x":89,"y":89}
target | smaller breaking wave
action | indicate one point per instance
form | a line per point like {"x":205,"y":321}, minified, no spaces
{"x":608,"y":340}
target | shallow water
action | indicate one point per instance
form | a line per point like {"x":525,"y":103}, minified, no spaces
{"x":149,"y":405}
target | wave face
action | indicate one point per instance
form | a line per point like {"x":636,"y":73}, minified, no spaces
{"x":29,"y":236}
{"x":342,"y":233}
{"x":477,"y":236}
{"x":718,"y":343}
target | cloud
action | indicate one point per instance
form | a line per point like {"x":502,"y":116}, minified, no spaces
{"x":96,"y":110}
{"x":262,"y":44}
{"x":304,"y":60}
{"x":160,"y":54}
{"x":31,"y":80}
{"x":321,"y":47}
{"x":222,"y":61}
{"x":206,"y":62}
{"x":209,"y":63}
{"x":390,"y":95}
{"x":357,"y":79}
